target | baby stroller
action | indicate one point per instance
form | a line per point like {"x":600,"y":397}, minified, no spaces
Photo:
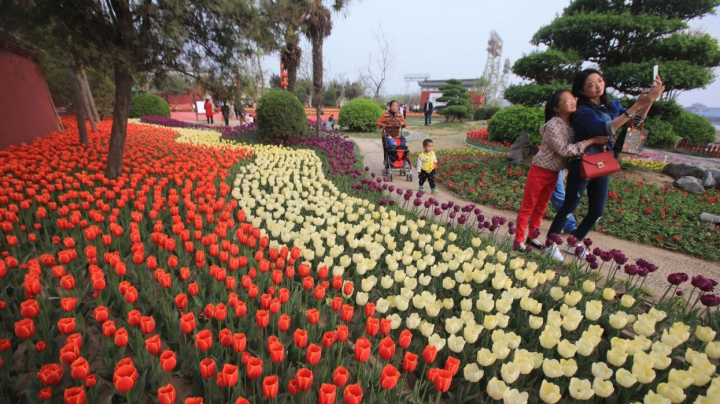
{"x":395,"y":158}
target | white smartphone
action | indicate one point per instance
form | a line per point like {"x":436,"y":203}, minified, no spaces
{"x":655,"y":73}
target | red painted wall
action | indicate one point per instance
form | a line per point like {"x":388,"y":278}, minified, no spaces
{"x":26,"y":110}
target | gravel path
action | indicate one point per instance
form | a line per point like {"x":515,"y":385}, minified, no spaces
{"x":668,"y":261}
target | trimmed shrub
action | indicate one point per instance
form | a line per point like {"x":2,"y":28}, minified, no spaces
{"x":484,"y":113}
{"x":532,"y":95}
{"x":665,"y":110}
{"x":509,"y":122}
{"x":694,"y":128}
{"x":148,"y":104}
{"x":280,"y":115}
{"x":660,"y":133}
{"x":360,"y":115}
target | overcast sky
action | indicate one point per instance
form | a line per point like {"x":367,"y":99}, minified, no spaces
{"x":448,"y":38}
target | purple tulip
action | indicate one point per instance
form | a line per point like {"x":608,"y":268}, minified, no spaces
{"x":427,"y":204}
{"x":486,"y":225}
{"x":391,"y":202}
{"x":452,"y":214}
{"x":677,"y":278}
{"x":572,"y":240}
{"x":437,"y":211}
{"x":696,"y":280}
{"x":548,"y":242}
{"x":456,"y":208}
{"x":535,"y":233}
{"x":462,"y":219}
{"x":631,"y":269}
{"x":679,"y":293}
{"x":587,"y":241}
{"x":512,"y":230}
{"x":591,"y":258}
{"x":710,"y":300}
{"x":451,"y":204}
{"x":444,"y":206}
{"x":597,"y":251}
{"x":391,"y":188}
{"x":594,"y":265}
{"x":417,"y":202}
{"x":419,"y":194}
{"x":606,"y":256}
{"x":480,"y":218}
{"x":477,"y":211}
{"x":643,"y":272}
{"x":651,"y":267}
{"x":707,"y":285}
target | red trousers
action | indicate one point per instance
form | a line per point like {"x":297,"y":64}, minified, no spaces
{"x":538,"y":190}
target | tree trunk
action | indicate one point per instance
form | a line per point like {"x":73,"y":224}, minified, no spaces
{"x":291,"y":56}
{"x":317,"y":44}
{"x":96,"y":115}
{"x":78,"y":105}
{"x":86,"y":101}
{"x":123,"y":94}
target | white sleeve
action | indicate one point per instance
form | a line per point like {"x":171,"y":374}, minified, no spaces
{"x":419,"y":163}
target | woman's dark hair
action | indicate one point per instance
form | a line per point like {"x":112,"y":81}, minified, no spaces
{"x":391,"y":103}
{"x":552,"y":103}
{"x":579,"y":84}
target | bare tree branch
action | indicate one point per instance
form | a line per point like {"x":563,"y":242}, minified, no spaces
{"x":377,"y":71}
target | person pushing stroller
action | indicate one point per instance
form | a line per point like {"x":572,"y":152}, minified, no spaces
{"x":392,"y":122}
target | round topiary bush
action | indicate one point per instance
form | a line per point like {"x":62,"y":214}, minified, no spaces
{"x":148,"y":104}
{"x":480,"y":114}
{"x":509,"y":122}
{"x":660,"y":133}
{"x":694,"y":128}
{"x":360,"y":115}
{"x":491,"y":111}
{"x":280,"y":115}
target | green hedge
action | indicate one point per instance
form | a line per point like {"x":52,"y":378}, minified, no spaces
{"x":660,"y":133}
{"x":484,"y":113}
{"x":531,"y":94}
{"x":360,"y":115}
{"x":148,"y":104}
{"x":280,"y":115}
{"x":694,"y":128}
{"x":509,"y":122}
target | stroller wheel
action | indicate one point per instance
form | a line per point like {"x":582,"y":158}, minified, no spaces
{"x":390,"y":176}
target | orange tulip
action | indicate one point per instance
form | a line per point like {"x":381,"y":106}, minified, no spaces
{"x":125,"y":375}
{"x":166,"y":394}
{"x":270,"y":387}
{"x":50,"y":374}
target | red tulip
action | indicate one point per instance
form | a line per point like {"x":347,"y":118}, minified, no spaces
{"x":207,"y":368}
{"x":25,"y":328}
{"x":209,"y":311}
{"x":203,"y":340}
{"x":39,"y":346}
{"x":262,"y":318}
{"x":168,"y":360}
{"x":313,"y":354}
{"x":353,"y":394}
{"x":67,"y":304}
{"x":67,"y":282}
{"x":284,"y":295}
{"x":147,"y":324}
{"x":66,"y":325}
{"x":389,"y":377}
{"x":239,"y":342}
{"x":405,"y":338}
{"x":293,"y":387}
{"x":270,"y":386}
{"x":452,"y":365}
{"x":429,"y":354}
{"x":108,"y":328}
{"x":121,"y":337}
{"x":153,"y":345}
{"x":166,"y":394}
{"x":90,"y":381}
{"x":362,"y":350}
{"x":228,"y":376}
{"x":226,"y":337}
{"x":442,"y":379}
{"x":277,"y":352}
{"x":101,"y":314}
{"x":304,"y":379}
{"x":328,"y":339}
{"x":50,"y":374}
{"x":369,"y":309}
{"x":80,"y":368}
{"x":386,"y":348}
{"x":74,"y":395}
{"x":199,"y":400}
{"x":410,"y":361}
{"x":75,"y":339}
{"x":348,"y":288}
{"x":181,"y":301}
{"x":241,"y":400}
{"x":45,"y":394}
{"x":69,"y":353}
{"x":347,"y":313}
{"x":301,"y":338}
{"x":134,"y":317}
{"x":385,"y":326}
{"x":254,"y":368}
{"x":284,"y":323}
{"x":342,"y":333}
{"x":125,"y":375}
{"x":240,"y":309}
{"x":187,"y":323}
{"x":372,"y":326}
{"x":221,"y":312}
{"x":340,"y":376}
{"x":308,"y":283}
{"x":326,"y":394}
{"x":319,"y":292}
{"x":29,"y":308}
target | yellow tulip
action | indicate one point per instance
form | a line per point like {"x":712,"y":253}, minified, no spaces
{"x":412,"y":321}
{"x":603,"y":388}
{"x":556,"y":293}
{"x":653,"y":398}
{"x":593,"y":310}
{"x":589,"y":286}
{"x":510,"y":372}
{"x":581,"y":389}
{"x":625,"y":378}
{"x":472,"y":373}
{"x":564,"y":281}
{"x":672,"y":392}
{"x":456,"y":343}
{"x":609,"y":294}
{"x":681,"y":378}
{"x":643,"y":373}
{"x":485,"y":357}
{"x":549,"y":392}
{"x":712,"y":349}
{"x":566,"y":349}
{"x":514,"y":396}
{"x":535,"y":322}
{"x":704,"y":334}
{"x":601,"y":371}
{"x":552,"y":368}
{"x":496,"y":388}
{"x":616,"y":357}
{"x":569,"y":367}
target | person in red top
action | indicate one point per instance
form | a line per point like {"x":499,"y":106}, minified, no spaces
{"x":209,"y":111}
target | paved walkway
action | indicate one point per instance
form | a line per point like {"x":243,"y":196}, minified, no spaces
{"x":668,"y":261}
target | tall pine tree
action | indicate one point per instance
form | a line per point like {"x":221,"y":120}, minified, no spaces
{"x":458,"y":102}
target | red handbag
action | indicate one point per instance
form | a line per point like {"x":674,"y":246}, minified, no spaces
{"x":598,"y":165}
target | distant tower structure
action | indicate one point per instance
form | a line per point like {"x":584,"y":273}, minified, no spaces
{"x":494,"y":79}
{"x":414,"y":78}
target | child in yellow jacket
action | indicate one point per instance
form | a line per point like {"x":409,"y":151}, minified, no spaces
{"x":426,"y":165}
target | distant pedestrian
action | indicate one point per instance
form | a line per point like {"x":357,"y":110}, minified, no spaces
{"x":428,"y":109}
{"x":405,"y":108}
{"x":329,"y":125}
{"x":209,"y":111}
{"x":225,"y":113}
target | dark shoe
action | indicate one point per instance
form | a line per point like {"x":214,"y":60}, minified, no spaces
{"x":535,"y":243}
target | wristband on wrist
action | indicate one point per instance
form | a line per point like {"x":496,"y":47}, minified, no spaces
{"x":627,"y":113}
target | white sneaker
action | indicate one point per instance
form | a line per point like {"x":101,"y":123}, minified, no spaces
{"x":573,"y":250}
{"x":556,"y":254}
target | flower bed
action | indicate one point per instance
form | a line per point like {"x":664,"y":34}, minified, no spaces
{"x":661,"y":216}
{"x":172,"y":283}
{"x":481,"y":139}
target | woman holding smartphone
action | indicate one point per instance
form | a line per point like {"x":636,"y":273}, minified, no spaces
{"x":596,"y":115}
